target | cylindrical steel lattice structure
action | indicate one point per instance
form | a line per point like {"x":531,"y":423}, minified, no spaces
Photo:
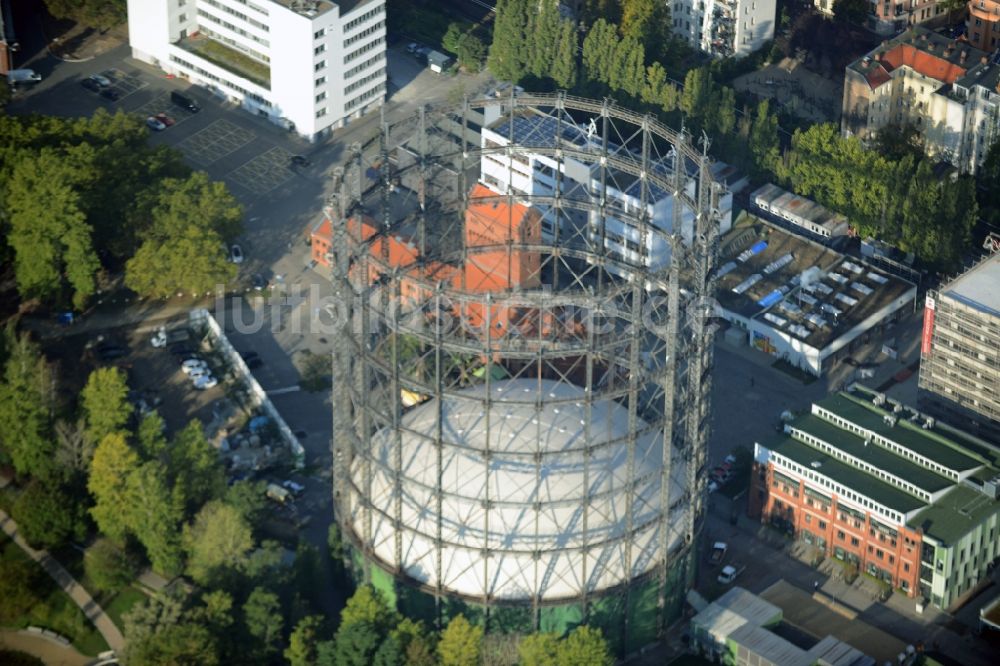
{"x":521,"y":383}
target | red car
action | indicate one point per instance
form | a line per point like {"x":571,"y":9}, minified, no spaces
{"x":165,"y":119}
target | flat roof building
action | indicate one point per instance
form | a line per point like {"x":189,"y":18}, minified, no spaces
{"x":960,"y":350}
{"x":735,"y":629}
{"x":803,"y":215}
{"x":307,"y":65}
{"x":885,"y":488}
{"x":798,"y":300}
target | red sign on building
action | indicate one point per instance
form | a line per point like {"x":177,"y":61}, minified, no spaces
{"x":925,"y":346}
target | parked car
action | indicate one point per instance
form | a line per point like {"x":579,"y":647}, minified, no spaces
{"x":197,"y":372}
{"x":247,"y":355}
{"x":154,"y":124}
{"x":731,"y":459}
{"x":295,"y":488}
{"x":181,"y":349}
{"x":236,"y":254}
{"x":258,"y":282}
{"x":299,"y":161}
{"x":184,"y":102}
{"x":91,"y":85}
{"x":255,"y":363}
{"x":192,"y":365}
{"x":110,"y":94}
{"x":719,"y":549}
{"x":16,"y":76}
{"x":101,"y":80}
{"x":205,"y":382}
{"x":165,"y":119}
{"x":729,"y":574}
{"x":412,"y":47}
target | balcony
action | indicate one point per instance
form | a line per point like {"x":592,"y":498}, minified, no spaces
{"x":228,"y":58}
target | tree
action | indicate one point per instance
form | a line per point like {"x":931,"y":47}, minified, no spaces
{"x":540,"y":649}
{"x":647,"y":21}
{"x":452,"y":37}
{"x":471,"y":52}
{"x":150,"y":441}
{"x":113,"y":466}
{"x":263,"y":619}
{"x":249,"y":498}
{"x":154,"y":516}
{"x":195,"y":469}
{"x":302,"y":644}
{"x":47,"y":516}
{"x":697,"y":97}
{"x":19,"y":585}
{"x":219,"y":539}
{"x":105,"y":403}
{"x":355,"y":644}
{"x":192,"y":261}
{"x":506,"y":53}
{"x":563,"y":70}
{"x":765,"y":146}
{"x":988,"y":175}
{"x":74,"y":449}
{"x":389,"y":653}
{"x":460,"y":643}
{"x":195,"y":201}
{"x":108,"y":567}
{"x":99,"y":14}
{"x":368,"y":605}
{"x":851,"y":11}
{"x":26,"y":407}
{"x":175,"y":645}
{"x":48,"y":230}
{"x":147,"y":618}
{"x":584,"y":646}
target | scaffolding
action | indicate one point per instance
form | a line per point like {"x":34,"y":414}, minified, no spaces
{"x":520,"y":418}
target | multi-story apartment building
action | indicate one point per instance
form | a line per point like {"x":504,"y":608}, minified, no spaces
{"x":890,"y":17}
{"x":309,"y":65}
{"x":536,"y":174}
{"x":724,"y":28}
{"x":883,"y":487}
{"x":960,"y":351}
{"x":982,"y":27}
{"x":946,"y":89}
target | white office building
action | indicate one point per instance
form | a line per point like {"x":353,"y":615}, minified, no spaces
{"x":308,"y":65}
{"x":528,"y":173}
{"x":724,"y":28}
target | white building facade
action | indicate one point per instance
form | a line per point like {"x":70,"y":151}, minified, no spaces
{"x":527,"y":173}
{"x":724,"y":28}
{"x":307,"y":65}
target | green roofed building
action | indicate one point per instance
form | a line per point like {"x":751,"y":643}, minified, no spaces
{"x":888,"y":489}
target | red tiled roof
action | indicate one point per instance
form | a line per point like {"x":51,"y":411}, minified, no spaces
{"x":877,"y":76}
{"x":922,"y":62}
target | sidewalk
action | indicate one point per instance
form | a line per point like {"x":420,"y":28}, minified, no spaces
{"x":42,"y":648}
{"x":80,"y":596}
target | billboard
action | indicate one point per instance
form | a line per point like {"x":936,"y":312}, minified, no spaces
{"x":928,"y":333}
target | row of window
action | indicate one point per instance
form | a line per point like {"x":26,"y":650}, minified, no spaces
{"x":243,"y":17}
{"x":364,"y":80}
{"x":355,"y":22}
{"x":364,"y":33}
{"x":363,"y":66}
{"x":364,"y":97}
{"x":212,"y":77}
{"x":364,"y":49}
{"x":240,"y":31}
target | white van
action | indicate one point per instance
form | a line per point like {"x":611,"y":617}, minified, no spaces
{"x":16,"y":76}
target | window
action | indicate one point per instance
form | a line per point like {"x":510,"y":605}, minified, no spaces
{"x":321,"y":112}
{"x":182,"y":18}
{"x":809,"y":518}
{"x":320,"y":81}
{"x":320,"y":65}
{"x":841,"y":535}
{"x":855,"y":542}
{"x":320,"y":97}
{"x":319,"y":49}
{"x":319,"y":33}
{"x":822,"y":524}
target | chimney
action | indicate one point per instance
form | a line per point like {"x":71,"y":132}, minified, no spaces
{"x":965,"y":54}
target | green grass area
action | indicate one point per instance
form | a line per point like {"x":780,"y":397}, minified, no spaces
{"x":794,"y":371}
{"x":122,"y":603}
{"x":231,"y":59}
{"x":54,"y":610}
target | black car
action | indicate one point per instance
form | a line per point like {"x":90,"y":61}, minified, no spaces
{"x":247,"y":355}
{"x":299,"y":161}
{"x":258,"y":282}
{"x":111,"y":94}
{"x":255,"y":363}
{"x":181,"y":349}
{"x":91,"y":85}
{"x":110,"y":352}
